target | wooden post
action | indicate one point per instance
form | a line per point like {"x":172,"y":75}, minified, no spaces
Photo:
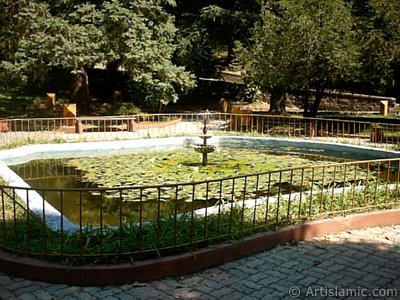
{"x":50,"y":101}
{"x":383,"y":107}
{"x":377,"y":135}
{"x":4,"y":127}
{"x":131,"y":125}
{"x":117,"y":97}
{"x":224,"y":105}
{"x":312,"y":129}
{"x":69,"y":111}
{"x":235,"y":119}
{"x":78,"y":126}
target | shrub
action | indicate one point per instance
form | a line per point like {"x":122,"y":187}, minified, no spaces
{"x":124,"y":108}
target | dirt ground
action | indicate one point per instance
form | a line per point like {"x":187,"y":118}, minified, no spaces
{"x":332,"y":104}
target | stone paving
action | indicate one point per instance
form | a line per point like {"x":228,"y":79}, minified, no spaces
{"x":356,"y":264}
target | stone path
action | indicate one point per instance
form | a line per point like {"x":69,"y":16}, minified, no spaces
{"x":357,"y":264}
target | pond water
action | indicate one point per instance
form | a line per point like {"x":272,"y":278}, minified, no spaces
{"x":144,"y":168}
{"x":113,"y":172}
{"x":44,"y":175}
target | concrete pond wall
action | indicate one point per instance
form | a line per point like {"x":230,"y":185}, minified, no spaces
{"x":53,"y":151}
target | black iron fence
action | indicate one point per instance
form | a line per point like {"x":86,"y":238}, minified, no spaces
{"x":92,"y":224}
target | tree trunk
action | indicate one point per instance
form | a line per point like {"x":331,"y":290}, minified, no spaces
{"x":79,"y":91}
{"x":277,"y":101}
{"x":313,"y":110}
{"x":396,"y":73}
{"x":318,"y":98}
{"x":305,"y":98}
{"x":231,"y":54}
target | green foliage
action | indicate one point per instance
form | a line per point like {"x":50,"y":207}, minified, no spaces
{"x":137,"y":36}
{"x":378,"y":32}
{"x":46,"y":41}
{"x":273,"y":202}
{"x":230,"y":21}
{"x":30,"y":141}
{"x":125,"y":108}
{"x":185,"y":232}
{"x":195,"y":51}
{"x":177,"y":166}
{"x":308,"y":44}
{"x":208,"y":29}
{"x":141,"y":36}
{"x":388,"y":12}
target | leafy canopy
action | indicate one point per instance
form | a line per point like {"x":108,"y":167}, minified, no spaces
{"x":43,"y":40}
{"x":135,"y":35}
{"x":208,"y":29}
{"x":380,"y":38}
{"x":301,"y":45}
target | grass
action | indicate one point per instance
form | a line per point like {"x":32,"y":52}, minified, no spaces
{"x":23,"y":106}
{"x":23,"y":233}
{"x":30,"y":141}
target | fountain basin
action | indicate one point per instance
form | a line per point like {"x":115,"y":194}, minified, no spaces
{"x":204,"y":148}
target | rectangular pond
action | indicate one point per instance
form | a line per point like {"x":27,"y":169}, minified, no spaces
{"x":110,"y":183}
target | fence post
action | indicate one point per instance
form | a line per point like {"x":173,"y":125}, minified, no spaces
{"x":78,"y":126}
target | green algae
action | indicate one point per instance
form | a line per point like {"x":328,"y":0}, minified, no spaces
{"x":225,"y":168}
{"x":179,"y":166}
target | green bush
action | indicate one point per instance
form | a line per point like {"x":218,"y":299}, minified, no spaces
{"x":124,"y":108}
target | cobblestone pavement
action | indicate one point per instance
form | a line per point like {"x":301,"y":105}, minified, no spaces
{"x":356,"y":264}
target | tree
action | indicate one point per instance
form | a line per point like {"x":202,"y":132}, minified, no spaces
{"x":229,"y":21}
{"x":379,"y":34}
{"x":208,"y":30}
{"x":136,"y":36}
{"x":44,"y":41}
{"x":300,"y":45}
{"x":140,"y":38}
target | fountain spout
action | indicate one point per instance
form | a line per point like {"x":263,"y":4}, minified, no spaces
{"x":204,"y":148}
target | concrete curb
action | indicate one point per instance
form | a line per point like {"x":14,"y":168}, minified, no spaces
{"x":177,"y":265}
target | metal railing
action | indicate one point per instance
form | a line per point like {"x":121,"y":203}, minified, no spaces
{"x":15,"y":132}
{"x":134,"y":222}
{"x":155,"y":220}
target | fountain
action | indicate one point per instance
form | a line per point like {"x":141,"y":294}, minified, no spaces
{"x":204,"y":148}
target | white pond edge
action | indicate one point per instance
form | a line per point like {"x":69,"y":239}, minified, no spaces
{"x":52,"y":216}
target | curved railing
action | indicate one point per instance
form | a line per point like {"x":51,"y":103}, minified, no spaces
{"x":14,"y":132}
{"x":134,"y":222}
